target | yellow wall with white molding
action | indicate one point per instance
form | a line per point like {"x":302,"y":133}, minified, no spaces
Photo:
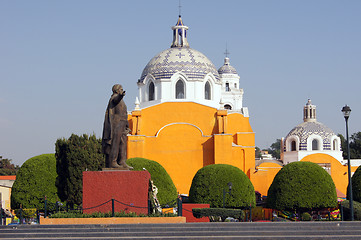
{"x":185,"y":136}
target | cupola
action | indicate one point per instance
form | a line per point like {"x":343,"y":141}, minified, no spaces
{"x":180,"y":34}
{"x":309,"y":112}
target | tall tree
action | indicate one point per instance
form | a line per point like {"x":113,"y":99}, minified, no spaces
{"x":355,"y":146}
{"x":275,"y":149}
{"x":7,"y":168}
{"x":74,"y":156}
{"x":258,"y":152}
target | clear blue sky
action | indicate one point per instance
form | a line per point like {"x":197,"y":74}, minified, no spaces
{"x":59,"y":60}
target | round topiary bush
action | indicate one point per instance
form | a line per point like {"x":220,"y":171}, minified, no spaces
{"x":302,"y":186}
{"x":167,"y":192}
{"x":210,"y":181}
{"x":356,"y":186}
{"x":34,"y":180}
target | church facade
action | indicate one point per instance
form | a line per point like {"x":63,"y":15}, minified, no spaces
{"x":189,"y":114}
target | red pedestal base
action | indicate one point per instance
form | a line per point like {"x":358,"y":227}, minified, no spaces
{"x":129,"y":189}
{"x":187,"y":212}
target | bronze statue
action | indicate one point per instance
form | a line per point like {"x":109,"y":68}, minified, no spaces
{"x":115,"y":130}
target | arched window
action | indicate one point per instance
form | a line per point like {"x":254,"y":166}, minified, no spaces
{"x":334,"y":145}
{"x":228,"y":107}
{"x":227,"y":87}
{"x":179,"y":90}
{"x":151,"y":91}
{"x":207,"y":91}
{"x":315,"y":144}
{"x":293,"y":146}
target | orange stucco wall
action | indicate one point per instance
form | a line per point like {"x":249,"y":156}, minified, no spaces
{"x":184,"y":137}
{"x":262,"y":176}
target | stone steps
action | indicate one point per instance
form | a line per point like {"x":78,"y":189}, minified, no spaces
{"x":268,"y":230}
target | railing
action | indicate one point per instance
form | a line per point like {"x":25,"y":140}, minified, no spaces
{"x":51,"y":207}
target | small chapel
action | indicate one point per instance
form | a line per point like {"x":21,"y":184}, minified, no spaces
{"x":309,"y":141}
{"x":188,"y":114}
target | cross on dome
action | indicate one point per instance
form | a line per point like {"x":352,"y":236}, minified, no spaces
{"x":226,"y":52}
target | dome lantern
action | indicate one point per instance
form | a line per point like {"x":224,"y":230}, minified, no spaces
{"x":309,"y":112}
{"x":180,"y":34}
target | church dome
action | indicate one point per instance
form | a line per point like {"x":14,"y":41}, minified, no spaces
{"x":309,"y":130}
{"x":192,"y":63}
{"x":179,"y":58}
{"x":227,"y":68}
{"x":304,"y":130}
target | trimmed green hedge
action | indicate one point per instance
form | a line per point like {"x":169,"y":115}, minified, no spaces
{"x":302,"y":186}
{"x":210,"y":181}
{"x":356,"y":210}
{"x":218,"y":212}
{"x":356,"y":186}
{"x":167,"y":192}
{"x":34,"y":180}
{"x":105,"y":215}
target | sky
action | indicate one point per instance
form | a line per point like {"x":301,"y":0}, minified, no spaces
{"x":59,"y":60}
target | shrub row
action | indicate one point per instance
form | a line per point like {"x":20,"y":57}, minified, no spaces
{"x":218,"y":212}
{"x":105,"y":215}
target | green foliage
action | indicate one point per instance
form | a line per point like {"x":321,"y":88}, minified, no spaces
{"x":355,"y":146}
{"x":218,"y":212}
{"x":74,"y":156}
{"x":167,"y":192}
{"x":275,"y":149}
{"x":7,"y":168}
{"x":75,"y":214}
{"x":302,"y":186}
{"x":258,"y":153}
{"x":306,"y":216}
{"x":356,"y":186}
{"x":210,"y":181}
{"x":356,"y":210}
{"x":26,"y":213}
{"x":35,"y":179}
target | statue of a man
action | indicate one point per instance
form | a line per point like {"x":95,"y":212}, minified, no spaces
{"x":115,"y":130}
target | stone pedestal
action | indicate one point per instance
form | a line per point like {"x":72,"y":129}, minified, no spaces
{"x":129,"y":189}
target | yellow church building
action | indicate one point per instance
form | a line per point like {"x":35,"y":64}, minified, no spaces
{"x":189,"y":115}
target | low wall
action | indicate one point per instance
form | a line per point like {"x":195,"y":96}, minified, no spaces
{"x":119,"y":220}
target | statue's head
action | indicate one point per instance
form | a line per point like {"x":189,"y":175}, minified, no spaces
{"x":117,"y":88}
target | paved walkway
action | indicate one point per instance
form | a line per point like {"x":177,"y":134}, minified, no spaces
{"x":209,"y":231}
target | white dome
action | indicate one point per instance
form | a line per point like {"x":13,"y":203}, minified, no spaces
{"x":227,"y":68}
{"x":306,"y":129}
{"x":192,"y":63}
